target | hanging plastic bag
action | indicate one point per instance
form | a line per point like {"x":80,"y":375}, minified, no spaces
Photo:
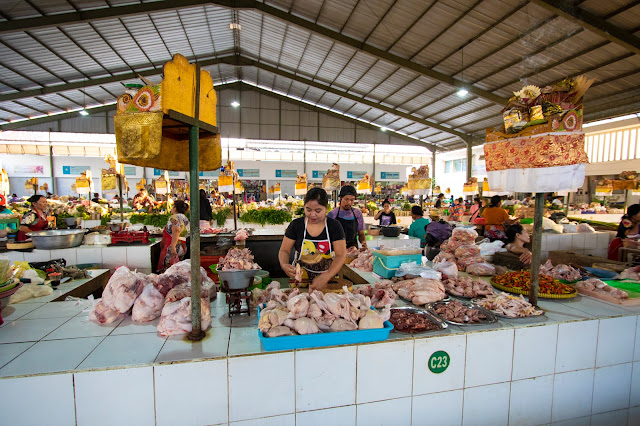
{"x":447,"y":268}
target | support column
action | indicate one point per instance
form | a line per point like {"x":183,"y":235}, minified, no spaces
{"x":536,"y":246}
{"x":469,"y":157}
{"x":194,"y":219}
{"x":53,"y":175}
{"x":433,"y":166}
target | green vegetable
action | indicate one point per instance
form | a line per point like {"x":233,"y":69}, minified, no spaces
{"x":221,"y":215}
{"x":269,"y":216}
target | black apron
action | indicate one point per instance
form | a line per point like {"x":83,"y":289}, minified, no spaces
{"x":350,"y":230}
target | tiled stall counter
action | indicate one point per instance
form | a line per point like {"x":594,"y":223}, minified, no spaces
{"x":593,"y":243}
{"x":580,"y":364}
{"x":109,"y":257}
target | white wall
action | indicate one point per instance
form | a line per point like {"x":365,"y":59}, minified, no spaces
{"x":456,"y":180}
{"x":19,"y":168}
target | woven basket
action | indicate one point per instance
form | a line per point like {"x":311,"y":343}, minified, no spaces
{"x":526,"y":292}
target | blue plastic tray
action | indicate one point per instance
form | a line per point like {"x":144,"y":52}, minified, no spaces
{"x":601,"y":273}
{"x":318,"y":340}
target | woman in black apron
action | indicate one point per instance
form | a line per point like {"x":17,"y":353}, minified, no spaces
{"x":314,"y":234}
{"x":350,"y":217}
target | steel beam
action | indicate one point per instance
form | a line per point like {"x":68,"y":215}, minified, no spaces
{"x":592,"y":22}
{"x":119,"y":11}
{"x":98,"y":81}
{"x":352,"y":97}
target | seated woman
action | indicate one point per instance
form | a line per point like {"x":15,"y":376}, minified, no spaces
{"x":495,"y":218}
{"x":517,"y":237}
{"x":35,"y":219}
{"x":629,"y":225}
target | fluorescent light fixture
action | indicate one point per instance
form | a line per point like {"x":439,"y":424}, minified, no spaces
{"x":84,"y":112}
{"x":235,"y":26}
{"x":235,"y":104}
{"x":611,"y":120}
{"x":383,"y":129}
{"x":462,"y":92}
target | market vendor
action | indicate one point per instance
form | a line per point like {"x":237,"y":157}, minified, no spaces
{"x":517,"y":237}
{"x":174,"y":246}
{"x":495,"y":218}
{"x":350,"y":217}
{"x":458,"y":210}
{"x":142,"y":201}
{"x":205,"y":207}
{"x":35,"y":219}
{"x":9,"y":227}
{"x":439,"y":201}
{"x":315,"y":233}
{"x":419,"y":224}
{"x":629,"y":225}
{"x":386,"y":216}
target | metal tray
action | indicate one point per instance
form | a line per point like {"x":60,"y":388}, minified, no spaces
{"x":491,"y":317}
{"x":436,"y":320}
{"x":542,"y":315}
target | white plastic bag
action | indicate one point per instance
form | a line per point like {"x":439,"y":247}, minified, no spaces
{"x":489,"y":249}
{"x":148,"y":305}
{"x":415,"y":269}
{"x":585,"y":227}
{"x":570,"y":228}
{"x":447,"y":268}
{"x":481,"y":269}
{"x":548,"y":224}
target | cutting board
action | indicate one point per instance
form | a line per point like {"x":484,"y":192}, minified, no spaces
{"x":631,"y":301}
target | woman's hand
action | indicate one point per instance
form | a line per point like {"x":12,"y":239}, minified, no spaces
{"x":174,"y":251}
{"x":526,"y":257}
{"x":319,"y":282}
{"x":290,"y":270}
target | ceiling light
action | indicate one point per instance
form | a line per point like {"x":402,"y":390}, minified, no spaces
{"x":383,"y":129}
{"x":235,"y":104}
{"x":235,"y":26}
{"x":462,"y":92}
{"x":84,"y":112}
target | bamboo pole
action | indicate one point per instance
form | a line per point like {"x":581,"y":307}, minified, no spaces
{"x":194,"y":218}
{"x":535,"y":249}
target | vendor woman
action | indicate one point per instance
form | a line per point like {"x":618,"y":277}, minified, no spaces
{"x":315,"y":233}
{"x":495,"y":218}
{"x":174,"y":247}
{"x":629,"y":225}
{"x":35,"y":219}
{"x":517,"y":237}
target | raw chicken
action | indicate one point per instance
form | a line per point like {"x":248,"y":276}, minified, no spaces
{"x":381,"y":293}
{"x":237,"y":259}
{"x":148,"y":306}
{"x":302,"y":325}
{"x":166,"y":282}
{"x":370,"y":320}
{"x":509,"y":305}
{"x":632,"y":273}
{"x":420,"y":290}
{"x":298,"y":306}
{"x":342,"y":325}
{"x":103,"y":314}
{"x":560,"y":272}
{"x":314,"y":311}
{"x":467,"y":287}
{"x":364,"y":261}
{"x":183,"y":290}
{"x":272,"y":318}
{"x":594,"y":284}
{"x":176,"y":317}
{"x":121,"y":290}
{"x":280,"y":330}
{"x":298,"y":277}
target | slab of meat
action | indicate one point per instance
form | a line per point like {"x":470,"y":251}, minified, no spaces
{"x":280,"y":330}
{"x":560,"y":272}
{"x":381,"y":293}
{"x":420,"y":290}
{"x":509,"y":305}
{"x":594,"y":284}
{"x":364,"y":261}
{"x":176,"y":317}
{"x":177,"y":274}
{"x":183,"y":290}
{"x":121,"y":290}
{"x":148,"y":305}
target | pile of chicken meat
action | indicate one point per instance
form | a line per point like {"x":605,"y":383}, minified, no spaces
{"x":560,"y":272}
{"x":420,"y":291}
{"x":294,"y":313}
{"x":466,"y":287}
{"x":237,"y":259}
{"x":598,"y":286}
{"x":455,"y":311}
{"x":509,"y":305}
{"x":381,"y":293}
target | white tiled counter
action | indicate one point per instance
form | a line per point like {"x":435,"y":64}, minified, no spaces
{"x":109,"y":257}
{"x":580,"y":365}
{"x":593,"y":243}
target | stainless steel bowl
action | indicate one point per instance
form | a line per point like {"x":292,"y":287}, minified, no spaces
{"x":237,"y":279}
{"x":117,"y":226}
{"x":58,"y":239}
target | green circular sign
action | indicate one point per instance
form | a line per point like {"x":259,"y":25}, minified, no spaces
{"x":438,"y":362}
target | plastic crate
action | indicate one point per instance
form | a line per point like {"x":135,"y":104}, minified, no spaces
{"x":317,"y":340}
{"x":386,"y":266}
{"x":206,"y":262}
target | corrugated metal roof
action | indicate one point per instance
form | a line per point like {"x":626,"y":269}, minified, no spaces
{"x":493,"y":45}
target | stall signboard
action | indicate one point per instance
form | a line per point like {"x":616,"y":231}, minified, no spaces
{"x":129,"y":170}
{"x":317,"y":174}
{"x":438,"y":362}
{"x":159,"y":172}
{"x":210,"y":173}
{"x":356,"y":174}
{"x":249,"y":173}
{"x":286,"y":173}
{"x":26,"y":169}
{"x":74,"y":170}
{"x":390,"y":175}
